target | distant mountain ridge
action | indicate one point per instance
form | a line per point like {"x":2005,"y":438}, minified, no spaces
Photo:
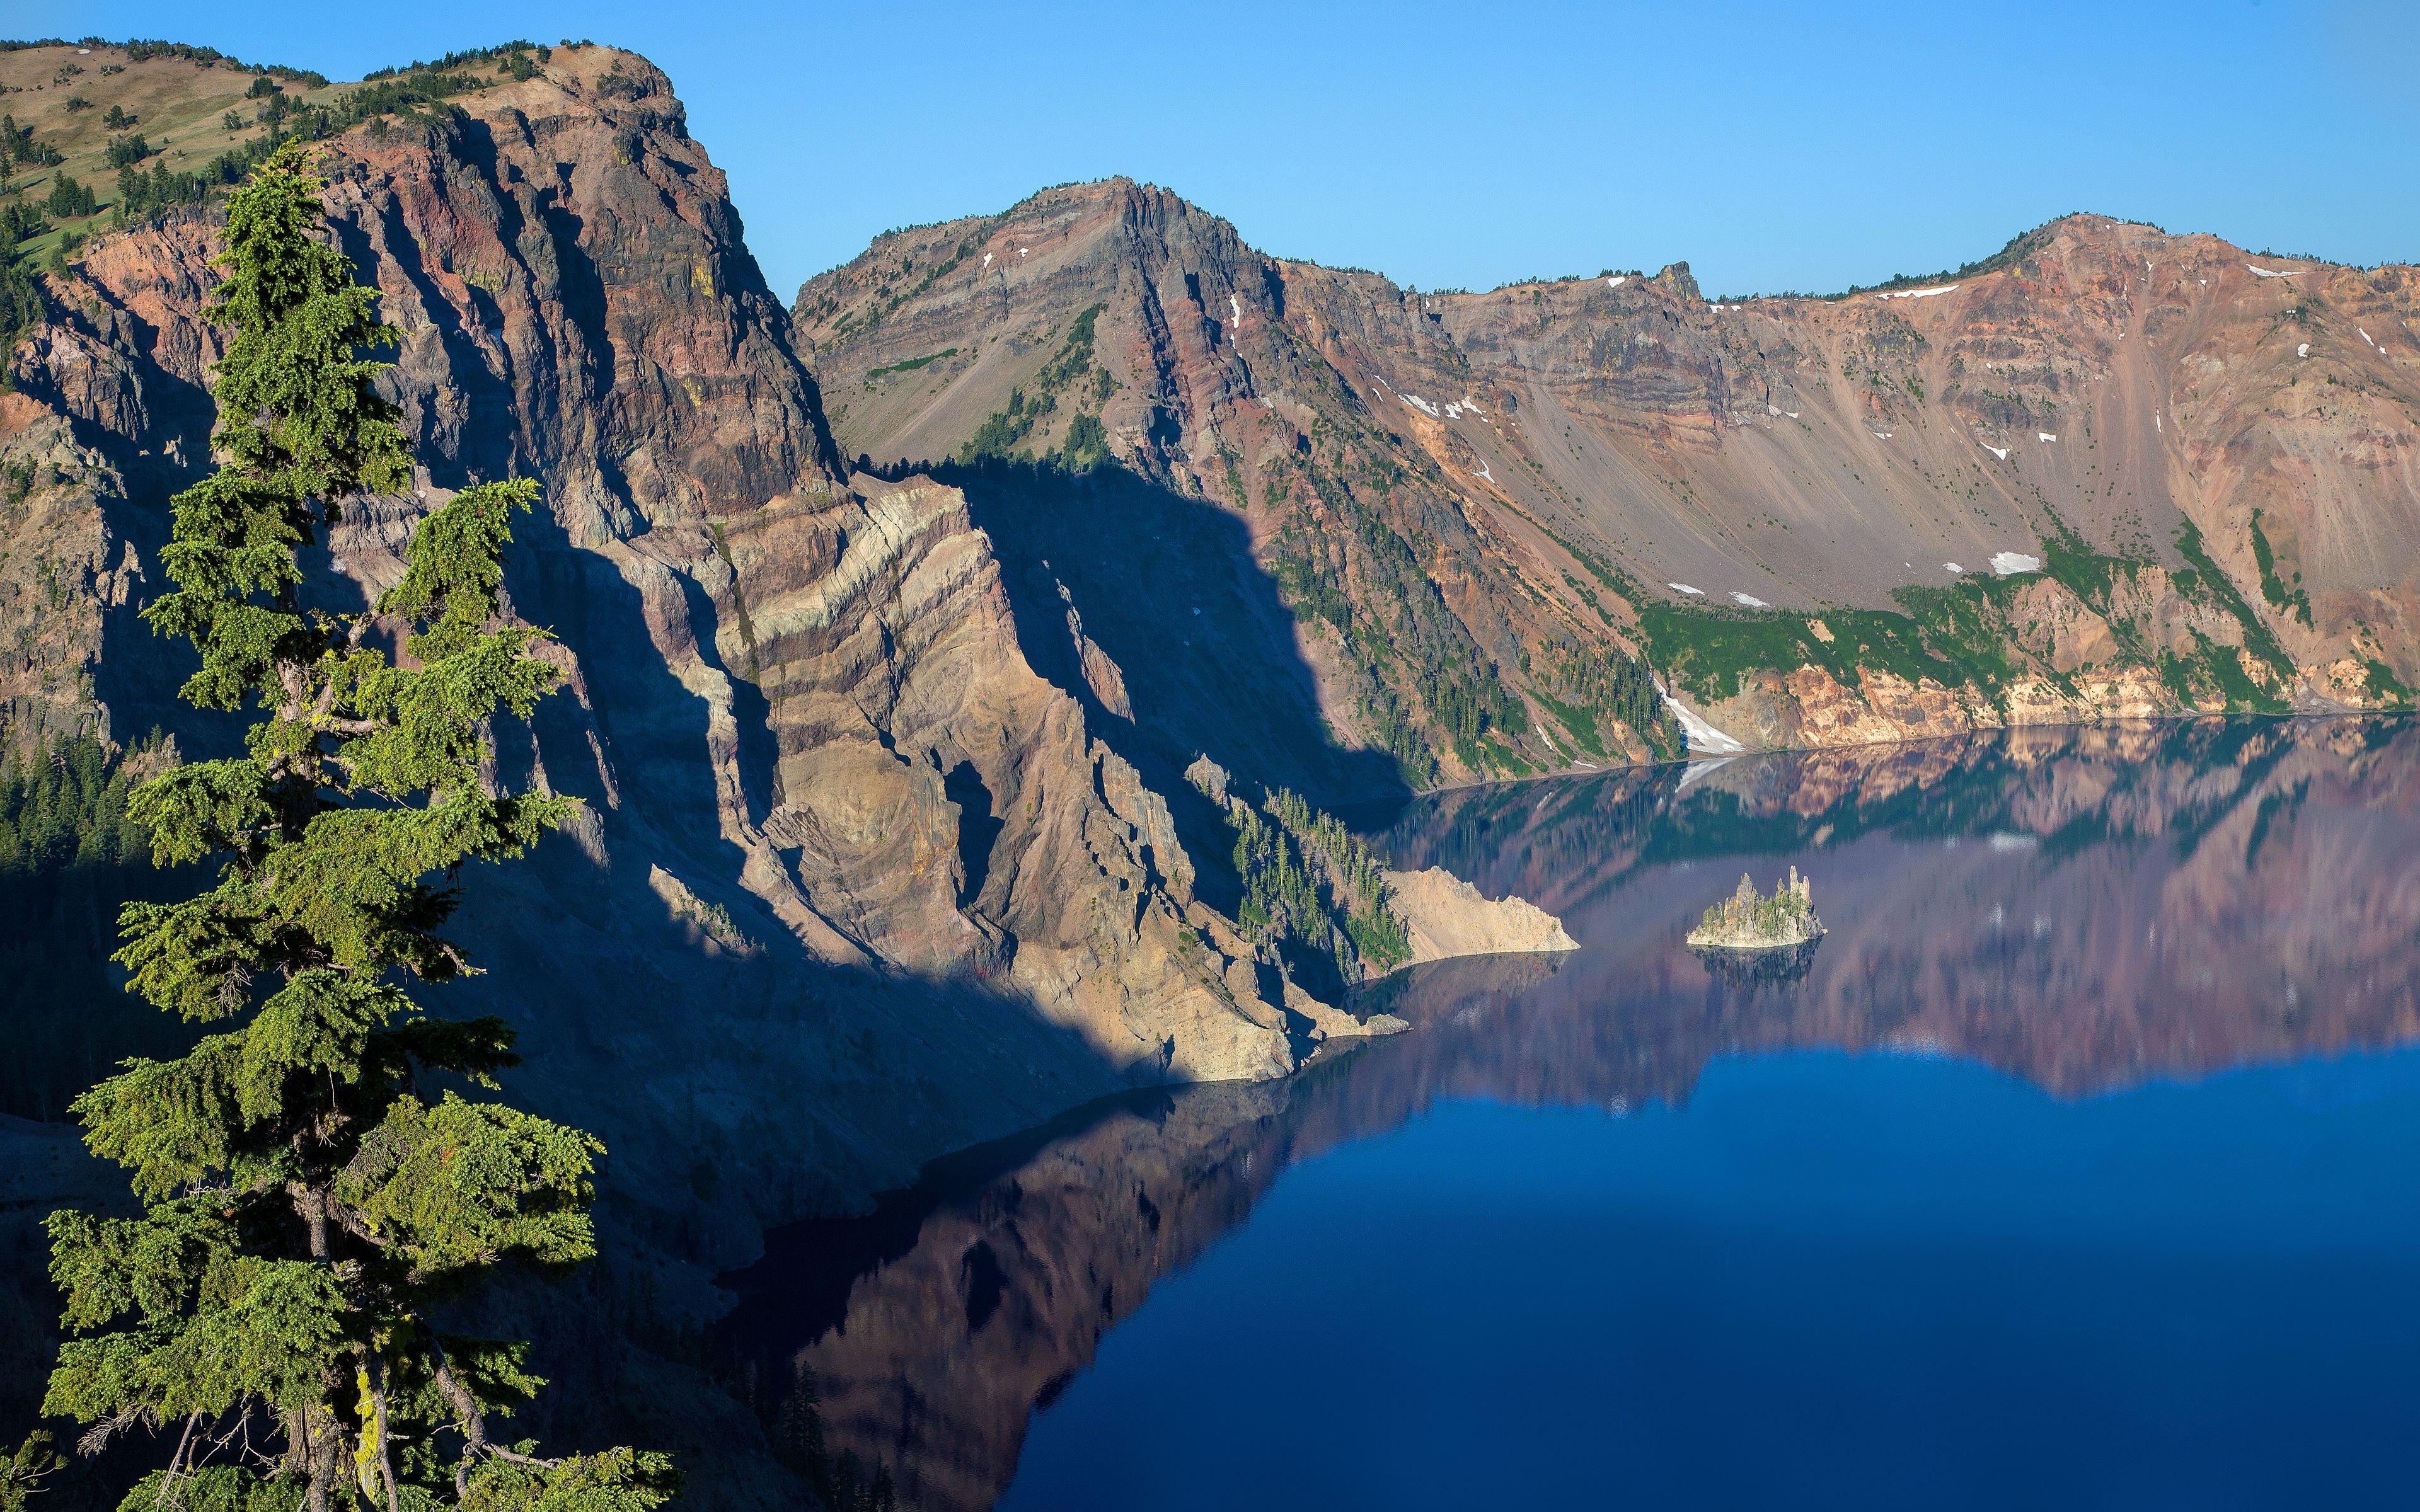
{"x":1790,"y":507}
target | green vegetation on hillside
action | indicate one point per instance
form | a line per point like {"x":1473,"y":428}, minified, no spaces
{"x":911,"y":365}
{"x":2380,"y":684}
{"x":416,"y":92}
{"x":318,"y":1194}
{"x":2215,"y":669}
{"x":1962,"y":635}
{"x":1069,"y":371}
{"x":70,"y":856}
{"x":2273,"y":588}
{"x":1586,"y":688}
{"x":1315,"y":893}
{"x":1952,"y":635}
{"x":1404,"y":634}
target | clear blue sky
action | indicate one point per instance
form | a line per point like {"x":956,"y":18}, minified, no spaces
{"x":1773,"y":146}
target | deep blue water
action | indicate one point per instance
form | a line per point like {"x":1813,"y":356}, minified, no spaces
{"x":1834,"y":1280}
{"x":2078,"y":1166}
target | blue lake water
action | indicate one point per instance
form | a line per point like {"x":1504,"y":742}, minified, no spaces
{"x":2080,"y":1168}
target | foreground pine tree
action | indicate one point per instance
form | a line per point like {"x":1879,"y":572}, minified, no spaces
{"x":316,"y":1188}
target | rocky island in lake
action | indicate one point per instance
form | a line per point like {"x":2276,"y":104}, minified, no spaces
{"x":1767,"y":937}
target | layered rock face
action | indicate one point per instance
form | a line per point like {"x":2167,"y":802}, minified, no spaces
{"x":2109,"y":473}
{"x":1324,"y":577}
{"x":854,"y":884}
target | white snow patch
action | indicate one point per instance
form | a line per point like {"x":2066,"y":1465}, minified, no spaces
{"x":2000,"y":451}
{"x":2044,"y":436}
{"x":1684,"y":588}
{"x":1917,"y":293}
{"x":1452,"y":410}
{"x":1702,"y":735}
{"x":1881,"y":435}
{"x":2155,"y":423}
{"x":1956,"y":568}
{"x":1484,"y":473}
{"x":2003,"y":843}
{"x":1236,"y":308}
{"x":987,"y":257}
{"x":1750,"y":599}
{"x":2267,"y":272}
{"x":1420,"y":403}
{"x":2009,"y":563}
{"x":1472,"y":405}
{"x":1617,"y":282}
{"x":2303,"y":350}
{"x":2363,"y":334}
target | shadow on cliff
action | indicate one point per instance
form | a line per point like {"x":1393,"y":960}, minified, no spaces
{"x":1166,"y":585}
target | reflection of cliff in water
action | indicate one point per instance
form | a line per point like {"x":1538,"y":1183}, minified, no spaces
{"x":2084,"y":910}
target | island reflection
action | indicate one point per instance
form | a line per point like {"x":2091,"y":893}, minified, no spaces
{"x":2084,"y":910}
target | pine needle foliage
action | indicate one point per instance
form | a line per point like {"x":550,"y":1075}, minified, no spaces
{"x":312,"y":1202}
{"x":22,"y":1473}
{"x":1313,"y":890}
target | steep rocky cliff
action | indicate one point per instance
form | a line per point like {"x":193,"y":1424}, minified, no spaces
{"x":875,"y":860}
{"x":856,"y":884}
{"x":1324,"y":575}
{"x":2109,"y":471}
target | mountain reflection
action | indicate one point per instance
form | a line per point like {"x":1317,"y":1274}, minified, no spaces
{"x":2084,"y":910}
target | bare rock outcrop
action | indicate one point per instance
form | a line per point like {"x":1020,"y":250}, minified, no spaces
{"x":1447,"y":917}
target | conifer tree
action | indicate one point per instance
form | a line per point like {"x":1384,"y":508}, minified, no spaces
{"x":317,"y":1188}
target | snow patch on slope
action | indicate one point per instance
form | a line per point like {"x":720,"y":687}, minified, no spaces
{"x":1702,"y":735}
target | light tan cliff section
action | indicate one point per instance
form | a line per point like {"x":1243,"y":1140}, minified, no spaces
{"x":946,"y":806}
{"x":1447,"y":917}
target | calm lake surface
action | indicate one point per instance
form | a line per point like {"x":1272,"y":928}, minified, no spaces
{"x":2080,"y":1167}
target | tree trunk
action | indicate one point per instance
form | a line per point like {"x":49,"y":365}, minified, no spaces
{"x":313,"y":1205}
{"x":377,"y":1426}
{"x":325,"y":1447}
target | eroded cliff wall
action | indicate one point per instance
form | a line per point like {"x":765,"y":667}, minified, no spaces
{"x":2107,"y":472}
